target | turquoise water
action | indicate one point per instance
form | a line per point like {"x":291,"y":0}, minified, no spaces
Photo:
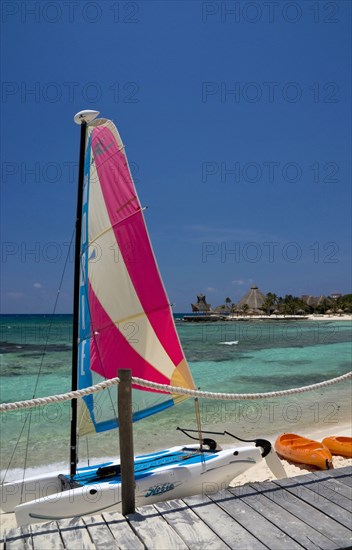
{"x":269,"y":356}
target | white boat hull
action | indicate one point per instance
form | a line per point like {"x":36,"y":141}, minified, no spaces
{"x":42,"y":498}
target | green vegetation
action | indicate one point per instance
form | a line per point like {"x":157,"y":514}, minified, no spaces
{"x":292,"y":305}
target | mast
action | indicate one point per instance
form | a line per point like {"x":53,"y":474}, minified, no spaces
{"x":82,"y":118}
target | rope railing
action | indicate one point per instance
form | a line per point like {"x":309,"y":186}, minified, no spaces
{"x":239,"y":396}
{"x":41,"y":401}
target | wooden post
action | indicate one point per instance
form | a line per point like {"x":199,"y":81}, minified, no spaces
{"x":126,"y":441}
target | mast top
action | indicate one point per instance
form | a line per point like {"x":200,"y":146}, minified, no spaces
{"x":85,"y":116}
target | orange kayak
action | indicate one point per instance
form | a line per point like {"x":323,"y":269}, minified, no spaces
{"x":304,"y":451}
{"x":339,"y":445}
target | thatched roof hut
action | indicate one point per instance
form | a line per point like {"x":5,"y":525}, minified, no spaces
{"x":201,"y":305}
{"x":315,"y":301}
{"x":254,"y":299}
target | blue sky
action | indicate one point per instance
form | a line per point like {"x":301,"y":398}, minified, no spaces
{"x":236,"y":120}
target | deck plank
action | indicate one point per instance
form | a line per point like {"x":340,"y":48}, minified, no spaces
{"x":284,"y":520}
{"x":154,"y":531}
{"x":320,"y":530}
{"x":231,"y":532}
{"x":325,"y":525}
{"x":19,"y":538}
{"x":347,"y":481}
{"x":311,"y":511}
{"x":330,"y":489}
{"x":254,"y":522}
{"x":345,"y":476}
{"x":100,"y":532}
{"x":46,"y":535}
{"x":302,"y":489}
{"x":194,"y":532}
{"x":74,"y":534}
{"x":122,"y":532}
{"x":338,"y":486}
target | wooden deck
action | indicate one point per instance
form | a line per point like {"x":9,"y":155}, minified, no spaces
{"x":310,"y":511}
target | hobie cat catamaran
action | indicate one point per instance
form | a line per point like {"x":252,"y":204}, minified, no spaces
{"x":122,"y":319}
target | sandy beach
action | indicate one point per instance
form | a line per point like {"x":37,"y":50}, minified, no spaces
{"x":330,"y":317}
{"x":273,"y":317}
{"x":259,"y":472}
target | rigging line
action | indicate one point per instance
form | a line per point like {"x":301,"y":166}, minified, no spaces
{"x":199,"y":426}
{"x":14,"y":450}
{"x":42,"y":361}
{"x":52,"y":315}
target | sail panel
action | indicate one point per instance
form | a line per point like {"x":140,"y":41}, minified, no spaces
{"x":132,"y":240}
{"x":125,"y":316}
{"x":113,"y":348}
{"x":115,"y":294}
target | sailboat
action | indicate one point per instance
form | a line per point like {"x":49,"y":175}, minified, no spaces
{"x":122,"y":318}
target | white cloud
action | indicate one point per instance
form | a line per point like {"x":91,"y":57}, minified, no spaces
{"x":242,"y":282}
{"x":37,"y":285}
{"x":211,"y":289}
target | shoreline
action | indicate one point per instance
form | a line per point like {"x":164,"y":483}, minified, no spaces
{"x":258,"y":473}
{"x":219,"y":317}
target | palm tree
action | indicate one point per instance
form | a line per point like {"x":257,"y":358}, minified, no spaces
{"x":334,"y":307}
{"x":269,"y":303}
{"x":323,"y":306}
{"x":290,"y":303}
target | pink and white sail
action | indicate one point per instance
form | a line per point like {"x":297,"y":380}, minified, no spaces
{"x":125,"y":317}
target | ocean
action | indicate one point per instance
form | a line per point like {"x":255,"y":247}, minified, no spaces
{"x":234,"y":357}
